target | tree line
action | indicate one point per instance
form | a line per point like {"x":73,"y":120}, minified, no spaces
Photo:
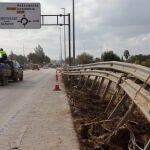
{"x":86,"y":58}
{"x":36,"y":57}
{"x":39,"y":57}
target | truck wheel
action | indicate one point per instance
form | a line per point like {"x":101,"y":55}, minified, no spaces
{"x":16,"y":77}
{"x":21,"y":78}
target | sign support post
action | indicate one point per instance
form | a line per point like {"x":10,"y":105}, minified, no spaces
{"x":60,"y":24}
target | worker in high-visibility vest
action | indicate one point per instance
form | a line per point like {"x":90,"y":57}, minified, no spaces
{"x":3,"y":54}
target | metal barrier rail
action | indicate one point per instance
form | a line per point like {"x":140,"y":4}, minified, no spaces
{"x":140,"y":72}
{"x":137,"y":93}
{"x":114,"y":77}
{"x":126,"y":77}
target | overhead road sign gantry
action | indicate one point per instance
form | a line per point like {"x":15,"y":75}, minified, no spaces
{"x":20,"y":16}
{"x":58,"y":23}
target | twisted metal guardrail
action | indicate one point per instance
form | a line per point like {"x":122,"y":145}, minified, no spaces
{"x":138,"y":71}
{"x":133,"y":79}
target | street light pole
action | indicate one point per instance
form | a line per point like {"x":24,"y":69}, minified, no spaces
{"x":64,"y":35}
{"x":73,"y":13}
{"x":69,"y":38}
{"x":60,"y":49}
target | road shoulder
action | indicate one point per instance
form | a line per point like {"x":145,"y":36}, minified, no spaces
{"x":50,"y":124}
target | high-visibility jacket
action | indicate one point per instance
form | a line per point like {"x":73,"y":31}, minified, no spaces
{"x":3,"y":54}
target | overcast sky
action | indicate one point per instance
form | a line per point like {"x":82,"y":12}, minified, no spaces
{"x":100,"y":25}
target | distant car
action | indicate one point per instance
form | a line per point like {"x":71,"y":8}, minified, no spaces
{"x":45,"y":67}
{"x":35,"y":67}
{"x":16,"y":70}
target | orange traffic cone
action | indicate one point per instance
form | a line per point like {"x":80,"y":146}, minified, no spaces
{"x":56,"y":77}
{"x":56,"y":88}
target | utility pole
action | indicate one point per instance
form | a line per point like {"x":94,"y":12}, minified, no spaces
{"x":64,"y":35}
{"x":73,"y":13}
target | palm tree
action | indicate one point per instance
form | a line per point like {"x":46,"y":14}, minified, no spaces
{"x":126,"y":54}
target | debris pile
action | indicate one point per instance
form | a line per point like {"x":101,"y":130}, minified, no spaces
{"x":94,"y":130}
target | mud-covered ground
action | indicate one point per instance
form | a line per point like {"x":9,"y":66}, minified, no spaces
{"x":94,"y":130}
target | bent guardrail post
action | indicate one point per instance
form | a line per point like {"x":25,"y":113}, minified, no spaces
{"x":80,"y":80}
{"x":112,"y":98}
{"x":100,"y":86}
{"x":98,"y":81}
{"x":121,"y":122}
{"x":86,"y":81}
{"x":123,"y":119}
{"x":119,"y":105}
{"x":90,"y":82}
{"x":94,"y":81}
{"x":106,"y":89}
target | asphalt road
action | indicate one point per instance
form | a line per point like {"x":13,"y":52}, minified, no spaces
{"x":16,"y":97}
{"x":34,"y":116}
